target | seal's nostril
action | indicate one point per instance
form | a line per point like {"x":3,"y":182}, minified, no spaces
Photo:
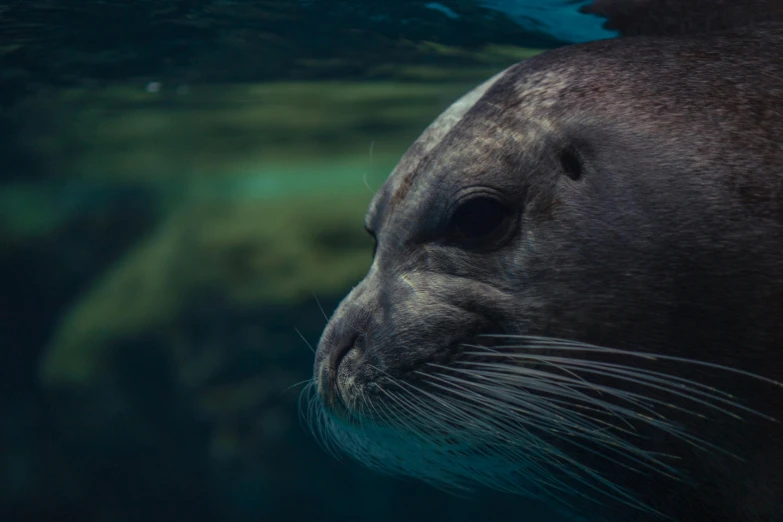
{"x":354,"y":341}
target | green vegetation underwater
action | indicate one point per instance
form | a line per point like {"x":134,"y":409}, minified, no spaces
{"x":182,"y":192}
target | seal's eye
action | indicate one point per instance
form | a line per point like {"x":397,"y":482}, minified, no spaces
{"x":479,"y":222}
{"x":571,"y":164}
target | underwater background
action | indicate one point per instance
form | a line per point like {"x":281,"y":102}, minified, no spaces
{"x":182,"y":186}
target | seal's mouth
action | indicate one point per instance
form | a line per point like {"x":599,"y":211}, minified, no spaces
{"x":347,"y":380}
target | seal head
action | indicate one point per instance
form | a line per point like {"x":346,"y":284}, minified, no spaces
{"x":577,"y":287}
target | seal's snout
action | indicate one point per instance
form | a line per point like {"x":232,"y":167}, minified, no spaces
{"x":339,"y":353}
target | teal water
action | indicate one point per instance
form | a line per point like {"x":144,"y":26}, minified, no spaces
{"x":182,"y":185}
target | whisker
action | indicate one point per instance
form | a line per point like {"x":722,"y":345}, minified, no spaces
{"x":558,"y":385}
{"x":551,"y":449}
{"x":326,"y":317}
{"x":305,"y":340}
{"x":576,"y":345}
{"x":628,"y":373}
{"x":689,"y":382}
{"x":662,"y":425}
{"x":294,"y":386}
{"x":560,"y":405}
{"x":534,"y":416}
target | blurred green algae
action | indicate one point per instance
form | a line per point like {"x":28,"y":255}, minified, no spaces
{"x":159,"y":131}
{"x":243,"y":254}
{"x":239,"y":173}
{"x":264,"y":184}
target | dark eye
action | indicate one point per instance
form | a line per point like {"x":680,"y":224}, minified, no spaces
{"x":480,"y":222}
{"x":572,"y":166}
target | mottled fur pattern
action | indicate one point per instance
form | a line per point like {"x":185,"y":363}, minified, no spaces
{"x":670,"y":242}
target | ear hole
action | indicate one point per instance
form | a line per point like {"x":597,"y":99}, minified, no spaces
{"x":572,"y":166}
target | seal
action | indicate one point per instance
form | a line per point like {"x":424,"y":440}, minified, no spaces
{"x":576,"y":292}
{"x":671,"y":17}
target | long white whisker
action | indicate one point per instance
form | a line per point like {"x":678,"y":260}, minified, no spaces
{"x":534,"y":415}
{"x":576,"y":346}
{"x":305,"y":340}
{"x":621,"y":493}
{"x":626,"y":373}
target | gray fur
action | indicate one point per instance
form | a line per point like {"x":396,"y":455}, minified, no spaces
{"x":671,"y":242}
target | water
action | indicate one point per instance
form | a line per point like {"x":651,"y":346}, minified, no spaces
{"x":182,"y":182}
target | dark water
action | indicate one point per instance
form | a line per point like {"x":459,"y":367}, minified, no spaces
{"x":182,"y":183}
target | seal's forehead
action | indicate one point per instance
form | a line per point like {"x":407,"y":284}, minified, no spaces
{"x":530,"y":92}
{"x":401,"y":178}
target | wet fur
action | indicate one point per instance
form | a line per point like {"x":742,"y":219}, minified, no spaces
{"x":671,"y":243}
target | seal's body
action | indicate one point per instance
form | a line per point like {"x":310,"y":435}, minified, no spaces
{"x":611,"y":215}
